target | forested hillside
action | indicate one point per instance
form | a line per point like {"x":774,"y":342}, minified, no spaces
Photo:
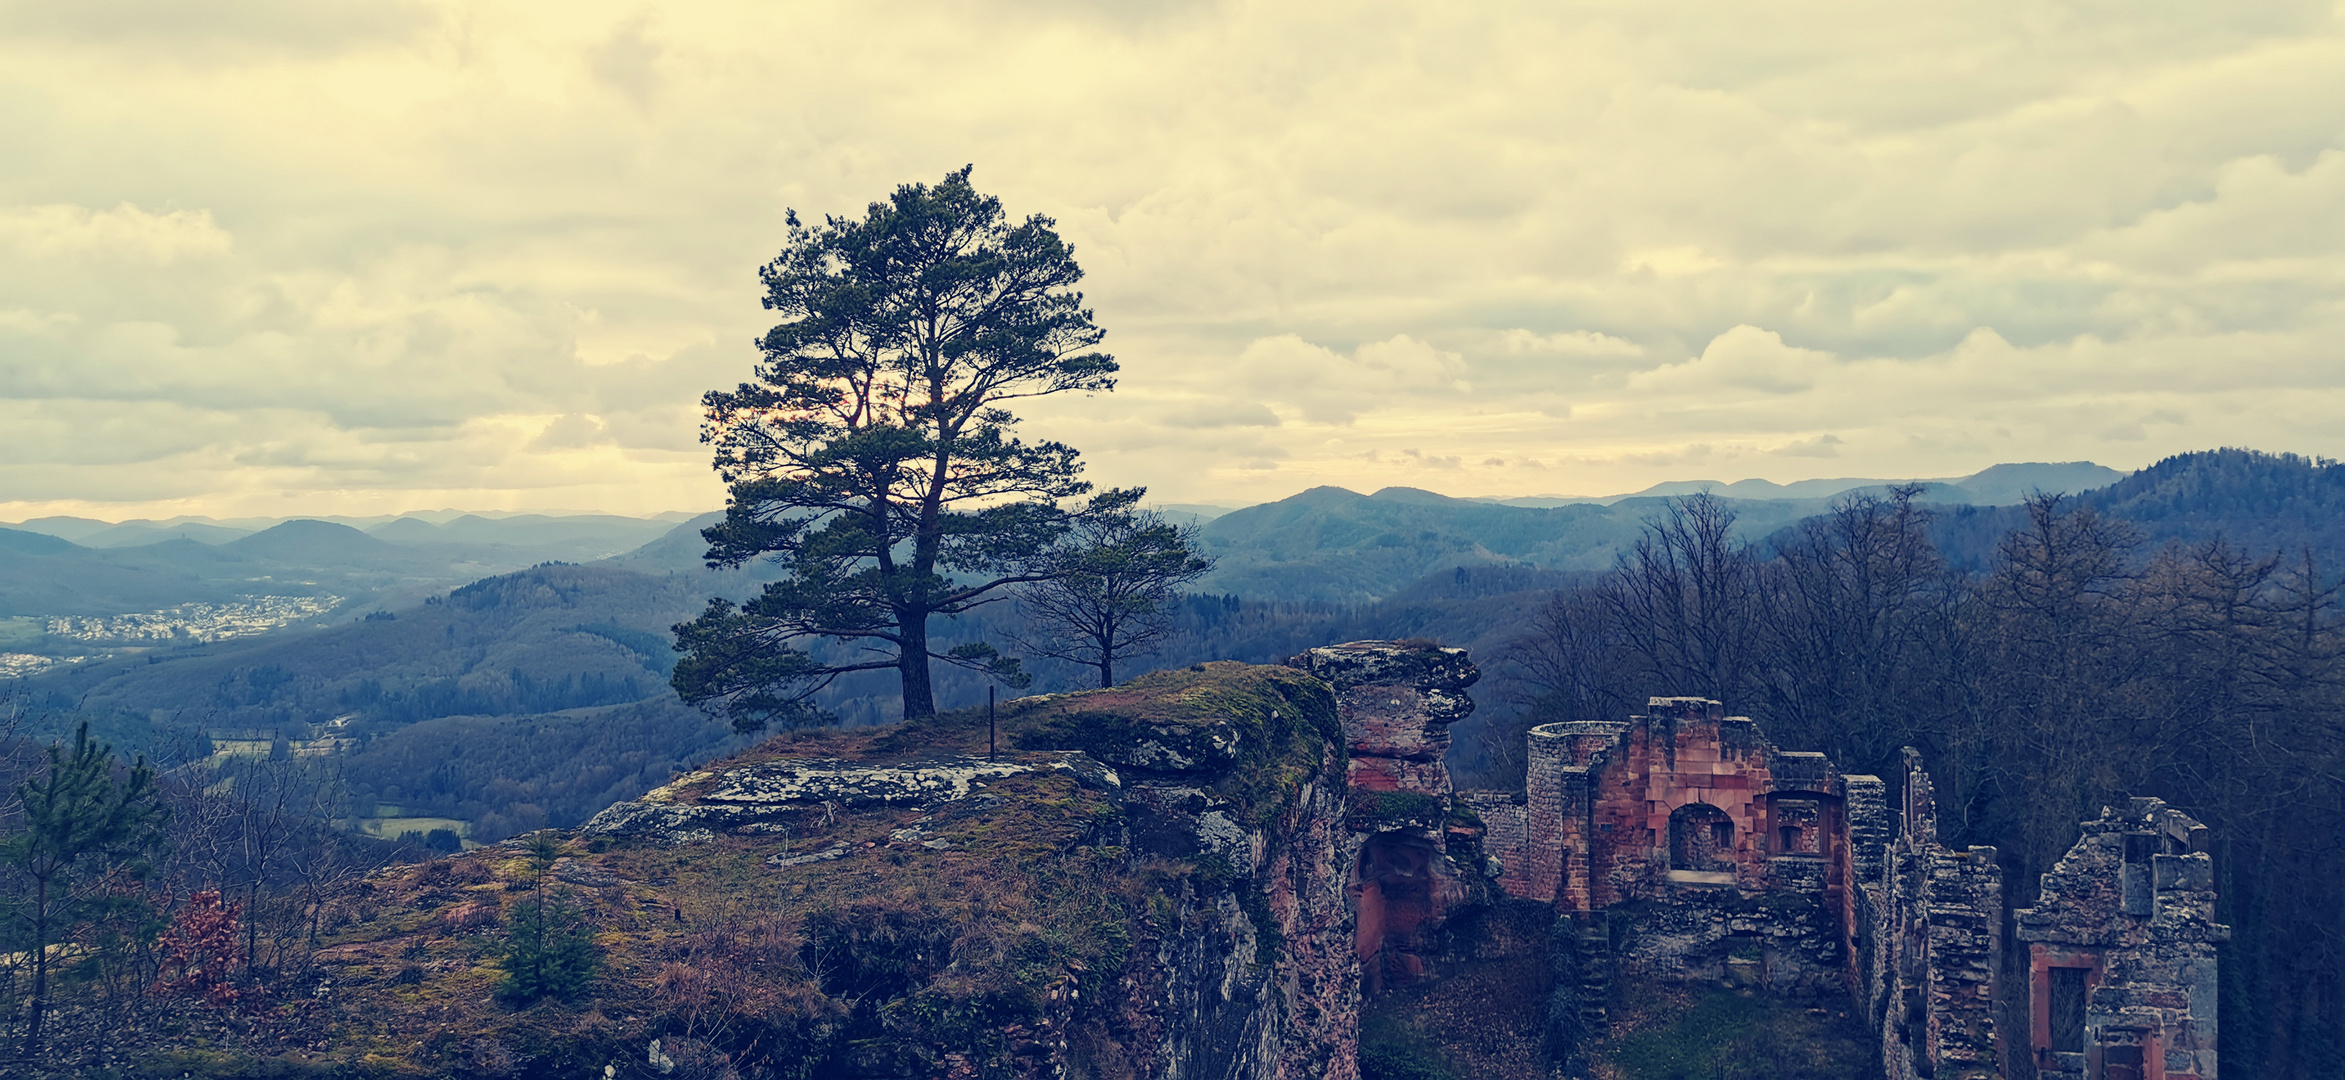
{"x":517,"y":701}
{"x":1329,"y":544}
{"x":45,"y":575}
{"x":2258,"y":502}
{"x":556,"y":637}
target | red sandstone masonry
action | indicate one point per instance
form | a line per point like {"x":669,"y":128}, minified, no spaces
{"x":1396,"y":701}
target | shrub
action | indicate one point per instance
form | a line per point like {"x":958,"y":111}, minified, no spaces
{"x":549,"y":952}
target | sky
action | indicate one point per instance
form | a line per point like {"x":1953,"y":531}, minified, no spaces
{"x":274,"y":257}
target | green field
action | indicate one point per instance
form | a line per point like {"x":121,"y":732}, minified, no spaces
{"x":389,"y":828}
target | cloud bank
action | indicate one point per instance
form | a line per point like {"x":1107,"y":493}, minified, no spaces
{"x":362,"y":256}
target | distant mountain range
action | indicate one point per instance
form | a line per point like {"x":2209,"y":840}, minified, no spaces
{"x":578,"y":536}
{"x":1323,"y":545}
{"x":477,"y":701}
{"x":1332,"y":544}
{"x":60,"y":566}
{"x":1994,"y":486}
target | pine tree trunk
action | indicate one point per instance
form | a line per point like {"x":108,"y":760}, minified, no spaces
{"x":40,"y":1003}
{"x":912,"y":664}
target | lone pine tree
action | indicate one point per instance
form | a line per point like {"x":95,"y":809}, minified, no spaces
{"x":873,"y":454}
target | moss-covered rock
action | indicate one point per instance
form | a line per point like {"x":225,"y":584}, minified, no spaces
{"x":1247,"y":732}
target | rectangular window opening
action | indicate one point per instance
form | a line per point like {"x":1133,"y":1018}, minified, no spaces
{"x":2068,"y":1009}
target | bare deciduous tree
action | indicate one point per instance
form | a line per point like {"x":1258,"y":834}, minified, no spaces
{"x":1117,"y":574}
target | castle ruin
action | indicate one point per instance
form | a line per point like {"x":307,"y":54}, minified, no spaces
{"x":1682,"y":846}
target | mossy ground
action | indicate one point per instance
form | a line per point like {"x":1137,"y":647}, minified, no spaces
{"x":1720,"y":1034}
{"x":1483,"y":1014}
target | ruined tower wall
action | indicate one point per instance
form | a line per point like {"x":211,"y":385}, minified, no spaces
{"x":1683,"y":753}
{"x":1554,"y":809}
{"x":1940,"y":945}
{"x":2122,"y":951}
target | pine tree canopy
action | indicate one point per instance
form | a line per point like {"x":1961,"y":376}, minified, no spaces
{"x":874,"y":456}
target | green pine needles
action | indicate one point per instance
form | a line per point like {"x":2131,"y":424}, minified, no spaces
{"x":550,"y":951}
{"x":875,"y":458}
{"x":75,"y":811}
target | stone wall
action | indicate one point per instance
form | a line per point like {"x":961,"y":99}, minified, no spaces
{"x":2122,"y":951}
{"x":1937,"y":946}
{"x":1713,"y":856}
{"x":1681,"y":846}
{"x":1506,"y":820}
{"x":1718,"y":856}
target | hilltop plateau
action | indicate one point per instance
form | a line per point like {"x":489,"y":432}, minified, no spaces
{"x":1139,"y":876}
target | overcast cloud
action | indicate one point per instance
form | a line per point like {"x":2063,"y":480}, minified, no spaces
{"x":362,"y":257}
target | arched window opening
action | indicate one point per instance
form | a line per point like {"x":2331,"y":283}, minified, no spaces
{"x":1701,"y":837}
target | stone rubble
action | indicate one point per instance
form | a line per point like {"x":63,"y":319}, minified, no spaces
{"x":750,"y":799}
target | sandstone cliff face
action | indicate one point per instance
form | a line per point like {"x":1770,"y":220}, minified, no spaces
{"x":1249,"y":972}
{"x":1397,"y":702}
{"x":1257,"y":980}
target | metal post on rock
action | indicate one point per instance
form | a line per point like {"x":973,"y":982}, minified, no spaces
{"x":989,"y":732}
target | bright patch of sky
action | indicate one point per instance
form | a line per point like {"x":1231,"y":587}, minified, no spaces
{"x":301,"y":256}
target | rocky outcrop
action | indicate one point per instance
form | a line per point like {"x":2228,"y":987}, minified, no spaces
{"x":1397,"y":700}
{"x":759,"y":798}
{"x":1410,"y":867}
{"x":1211,"y":808}
{"x":1234,"y":770}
